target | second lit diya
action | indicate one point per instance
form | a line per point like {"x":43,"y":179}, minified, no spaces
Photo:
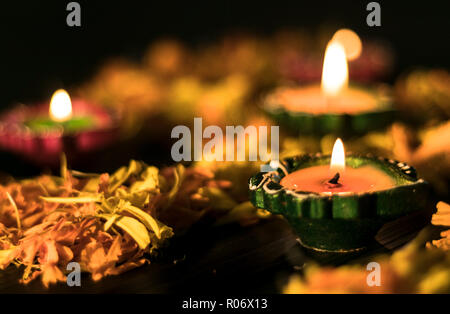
{"x":41,"y":133}
{"x":337,"y":203}
{"x":333,"y":106}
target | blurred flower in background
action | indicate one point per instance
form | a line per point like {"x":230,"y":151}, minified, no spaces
{"x":412,"y":269}
{"x":423,"y":96}
{"x":220,"y":81}
{"x":223,"y":82}
{"x":127,"y":88}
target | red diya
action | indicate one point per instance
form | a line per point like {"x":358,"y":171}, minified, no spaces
{"x":338,"y":203}
{"x":333,"y":106}
{"x":41,"y":133}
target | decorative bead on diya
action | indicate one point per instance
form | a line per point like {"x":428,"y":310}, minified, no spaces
{"x":338,"y":203}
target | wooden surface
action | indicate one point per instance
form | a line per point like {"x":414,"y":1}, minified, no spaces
{"x":227,"y":259}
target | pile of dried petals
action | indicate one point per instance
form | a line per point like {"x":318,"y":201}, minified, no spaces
{"x":104,"y":222}
{"x":110,"y":223}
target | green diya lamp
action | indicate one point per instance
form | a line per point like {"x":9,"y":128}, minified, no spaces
{"x":332,"y":107}
{"x":337,"y":203}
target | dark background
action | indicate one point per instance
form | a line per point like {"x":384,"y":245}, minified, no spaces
{"x":40,"y":52}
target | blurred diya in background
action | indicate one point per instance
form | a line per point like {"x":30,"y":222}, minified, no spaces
{"x":337,"y":203}
{"x":41,"y":133}
{"x":333,"y":106}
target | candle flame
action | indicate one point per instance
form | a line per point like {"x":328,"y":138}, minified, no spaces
{"x":337,"y":163}
{"x":335,"y":70}
{"x":350,"y":41}
{"x":60,"y":106}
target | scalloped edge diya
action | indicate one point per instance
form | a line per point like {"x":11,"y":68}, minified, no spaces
{"x":341,"y":222}
{"x":339,"y":123}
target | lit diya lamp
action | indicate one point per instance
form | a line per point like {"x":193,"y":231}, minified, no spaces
{"x":337,"y":203}
{"x":41,"y":133}
{"x":333,"y":106}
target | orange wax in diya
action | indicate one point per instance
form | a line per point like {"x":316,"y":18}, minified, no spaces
{"x":355,"y":180}
{"x":310,"y":99}
{"x":336,"y":178}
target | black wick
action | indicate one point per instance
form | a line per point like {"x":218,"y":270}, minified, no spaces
{"x":335,"y":179}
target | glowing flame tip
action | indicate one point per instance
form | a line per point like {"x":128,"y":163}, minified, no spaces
{"x":337,"y":163}
{"x":335,"y":69}
{"x":60,"y":106}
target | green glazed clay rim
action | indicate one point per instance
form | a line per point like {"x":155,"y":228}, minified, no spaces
{"x":266,"y":191}
{"x":382,"y":115}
